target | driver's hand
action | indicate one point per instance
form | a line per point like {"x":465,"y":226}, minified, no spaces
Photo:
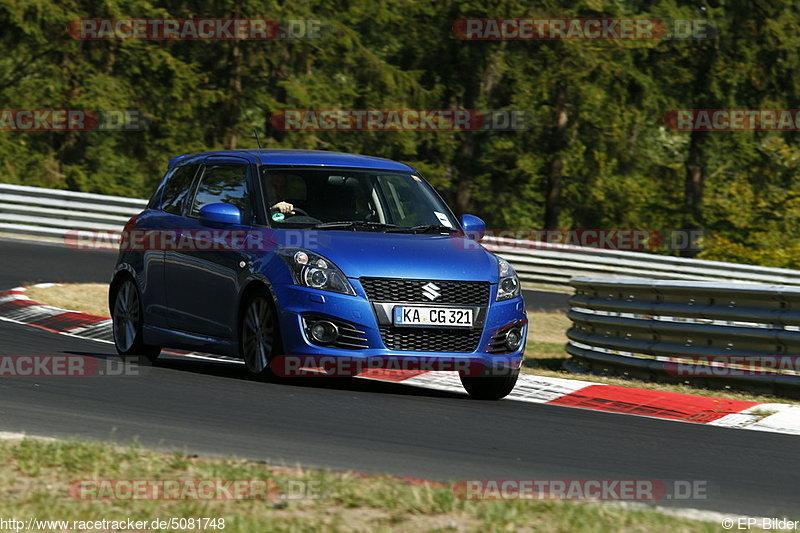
{"x":284,"y":207}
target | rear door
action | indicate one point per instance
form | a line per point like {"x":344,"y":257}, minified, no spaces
{"x":165,"y":215}
{"x":203,"y":280}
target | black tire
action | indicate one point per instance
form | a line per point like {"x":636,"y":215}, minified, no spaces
{"x":259,"y":335}
{"x":128,"y":318}
{"x":490,"y":387}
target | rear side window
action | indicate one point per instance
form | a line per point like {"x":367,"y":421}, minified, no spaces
{"x":177,"y":189}
{"x":223,"y":183}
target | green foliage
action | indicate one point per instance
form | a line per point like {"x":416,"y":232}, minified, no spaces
{"x":782,"y":255}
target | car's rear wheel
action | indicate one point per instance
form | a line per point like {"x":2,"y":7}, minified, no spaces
{"x":490,"y":387}
{"x":258,"y":336}
{"x":127,"y":317}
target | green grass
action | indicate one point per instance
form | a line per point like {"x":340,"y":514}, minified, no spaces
{"x":547,"y":287}
{"x":36,"y":475}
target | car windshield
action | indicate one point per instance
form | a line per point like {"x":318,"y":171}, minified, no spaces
{"x":353,"y":200}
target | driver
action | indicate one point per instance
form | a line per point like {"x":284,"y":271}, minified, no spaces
{"x":276,"y":188}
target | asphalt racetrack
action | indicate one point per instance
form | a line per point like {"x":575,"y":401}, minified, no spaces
{"x":211,"y":407}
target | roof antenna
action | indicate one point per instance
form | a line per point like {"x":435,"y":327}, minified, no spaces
{"x":255,"y":132}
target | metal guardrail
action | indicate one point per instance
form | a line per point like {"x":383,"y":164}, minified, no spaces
{"x":739,"y":331}
{"x":53,"y":213}
{"x":554,"y":264}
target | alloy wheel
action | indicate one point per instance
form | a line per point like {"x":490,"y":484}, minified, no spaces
{"x":126,"y":316}
{"x":258,"y":335}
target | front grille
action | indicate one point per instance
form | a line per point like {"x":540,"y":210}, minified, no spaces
{"x":411,"y":290}
{"x":430,"y":339}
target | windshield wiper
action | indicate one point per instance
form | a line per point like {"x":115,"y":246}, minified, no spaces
{"x":389,"y":228}
{"x":355,"y":224}
{"x":427,"y":228}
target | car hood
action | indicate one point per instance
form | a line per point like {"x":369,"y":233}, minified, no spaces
{"x":398,"y":255}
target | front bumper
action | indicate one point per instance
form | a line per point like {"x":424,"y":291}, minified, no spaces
{"x":295,"y":302}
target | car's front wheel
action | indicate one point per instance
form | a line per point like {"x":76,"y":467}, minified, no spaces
{"x":127,"y":318}
{"x":490,"y":387}
{"x":258,"y":336}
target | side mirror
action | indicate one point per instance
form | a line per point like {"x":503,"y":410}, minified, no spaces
{"x":474,"y":227}
{"x":220,"y":213}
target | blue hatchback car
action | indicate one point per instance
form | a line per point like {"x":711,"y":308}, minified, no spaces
{"x":326,"y":256}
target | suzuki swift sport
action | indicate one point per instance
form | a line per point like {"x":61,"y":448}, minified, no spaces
{"x":267,"y":255}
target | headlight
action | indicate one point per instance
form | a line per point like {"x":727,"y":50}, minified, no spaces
{"x":508,"y":286}
{"x":312,"y":270}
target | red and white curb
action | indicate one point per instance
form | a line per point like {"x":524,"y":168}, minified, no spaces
{"x":712,"y":411}
{"x":16,"y":306}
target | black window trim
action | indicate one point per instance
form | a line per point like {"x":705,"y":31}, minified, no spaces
{"x":187,"y":209}
{"x":269,"y":167}
{"x":174,"y":171}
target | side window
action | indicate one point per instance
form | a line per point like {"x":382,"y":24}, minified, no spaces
{"x":177,"y":189}
{"x":223,"y":183}
{"x":155,"y":199}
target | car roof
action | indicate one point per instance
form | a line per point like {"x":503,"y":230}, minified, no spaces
{"x":287,"y":157}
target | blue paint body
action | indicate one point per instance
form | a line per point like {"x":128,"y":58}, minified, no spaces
{"x":192,"y":299}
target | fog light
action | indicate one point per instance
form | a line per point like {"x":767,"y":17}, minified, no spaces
{"x":513,"y":339}
{"x":323,"y":332}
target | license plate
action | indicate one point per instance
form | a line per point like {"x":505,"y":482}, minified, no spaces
{"x":432,"y":316}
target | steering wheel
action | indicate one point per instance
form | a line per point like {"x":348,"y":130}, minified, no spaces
{"x":298,"y":211}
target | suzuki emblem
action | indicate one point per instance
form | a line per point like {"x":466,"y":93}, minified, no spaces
{"x":430,"y":291}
